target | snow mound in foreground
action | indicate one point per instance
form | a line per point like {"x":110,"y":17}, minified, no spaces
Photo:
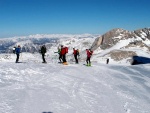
{"x":38,"y":88}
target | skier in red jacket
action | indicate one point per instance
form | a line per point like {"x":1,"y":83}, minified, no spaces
{"x":63,"y":53}
{"x":89,"y":54}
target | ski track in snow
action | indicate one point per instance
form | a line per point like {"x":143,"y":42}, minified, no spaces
{"x":37,"y":88}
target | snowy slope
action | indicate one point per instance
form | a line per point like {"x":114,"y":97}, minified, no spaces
{"x":33,"y":87}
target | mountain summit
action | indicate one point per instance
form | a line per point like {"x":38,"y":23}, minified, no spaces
{"x":119,"y":44}
{"x":112,"y":37}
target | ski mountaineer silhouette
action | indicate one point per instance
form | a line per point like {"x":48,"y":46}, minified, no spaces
{"x":17,"y":51}
{"x":60,"y":55}
{"x":89,"y":53}
{"x":43,"y":51}
{"x":63,"y":52}
{"x":76,"y":54}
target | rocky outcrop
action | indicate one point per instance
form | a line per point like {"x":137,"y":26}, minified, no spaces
{"x":112,"y":37}
{"x":118,"y":55}
{"x":137,"y":44}
{"x":98,"y":41}
{"x":143,"y":33}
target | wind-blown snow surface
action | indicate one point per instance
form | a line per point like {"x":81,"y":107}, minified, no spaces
{"x":75,"y":88}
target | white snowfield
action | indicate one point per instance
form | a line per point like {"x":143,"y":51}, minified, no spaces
{"x":55,"y":88}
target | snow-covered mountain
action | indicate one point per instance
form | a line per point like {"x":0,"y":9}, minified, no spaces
{"x":32,"y":43}
{"x":114,"y":36}
{"x":120,"y":44}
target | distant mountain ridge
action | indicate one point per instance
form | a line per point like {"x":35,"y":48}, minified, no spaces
{"x":32,"y":43}
{"x":112,"y":37}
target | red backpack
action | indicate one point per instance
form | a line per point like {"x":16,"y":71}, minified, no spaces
{"x":66,"y":48}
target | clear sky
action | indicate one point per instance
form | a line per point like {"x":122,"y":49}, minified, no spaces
{"x":25,"y":17}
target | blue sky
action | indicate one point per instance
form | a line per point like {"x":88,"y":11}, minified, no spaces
{"x":25,"y":17}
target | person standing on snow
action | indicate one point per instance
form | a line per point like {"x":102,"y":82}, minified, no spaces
{"x":60,"y":56}
{"x":107,"y":61}
{"x":43,"y":51}
{"x":17,"y":51}
{"x":76,"y":53}
{"x":89,"y":54}
{"x":63,"y":53}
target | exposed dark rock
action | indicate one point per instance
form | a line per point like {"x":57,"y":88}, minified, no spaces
{"x":118,"y":55}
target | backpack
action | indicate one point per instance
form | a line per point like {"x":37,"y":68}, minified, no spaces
{"x":91,"y":52}
{"x":14,"y":50}
{"x":77,"y":51}
{"x":66,"y":49}
{"x":59,"y":50}
{"x":17,"y":50}
{"x":43,"y":49}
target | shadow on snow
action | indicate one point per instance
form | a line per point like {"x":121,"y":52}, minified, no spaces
{"x":140,"y":60}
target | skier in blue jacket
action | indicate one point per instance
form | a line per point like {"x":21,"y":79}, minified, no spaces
{"x":18,"y":50}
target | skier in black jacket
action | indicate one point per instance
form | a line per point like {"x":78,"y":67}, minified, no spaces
{"x":43,"y":51}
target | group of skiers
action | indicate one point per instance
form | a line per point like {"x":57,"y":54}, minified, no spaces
{"x":62,"y":54}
